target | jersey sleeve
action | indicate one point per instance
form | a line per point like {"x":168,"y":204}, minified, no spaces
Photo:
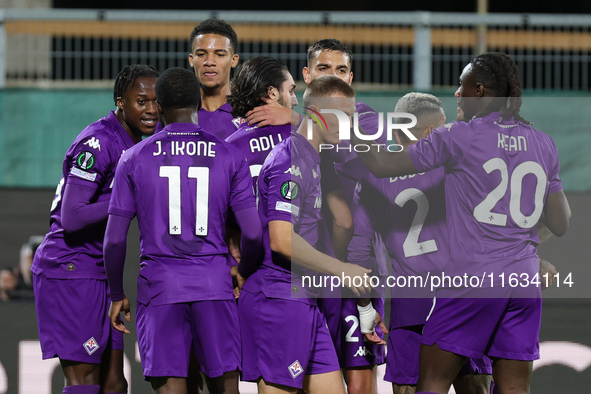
{"x":443,"y":148}
{"x":360,"y":248}
{"x":90,"y":161}
{"x":241,"y":192}
{"x":284,"y":192}
{"x":555,"y":183}
{"x":122,"y":199}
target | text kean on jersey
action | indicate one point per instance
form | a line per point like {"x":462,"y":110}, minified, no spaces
{"x":191,"y":148}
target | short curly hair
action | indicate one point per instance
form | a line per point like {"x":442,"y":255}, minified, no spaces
{"x":178,"y":88}
{"x":215,"y":26}
{"x":252,"y":82}
{"x":129,"y":75}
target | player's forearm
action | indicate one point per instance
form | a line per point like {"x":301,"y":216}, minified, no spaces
{"x":381,"y":162}
{"x":114,"y":250}
{"x":340,"y":241}
{"x":77,"y":211}
{"x":303,"y":254}
{"x":557,"y":213}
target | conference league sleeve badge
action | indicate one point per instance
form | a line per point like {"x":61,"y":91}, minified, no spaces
{"x":85,"y":161}
{"x":290,"y":190}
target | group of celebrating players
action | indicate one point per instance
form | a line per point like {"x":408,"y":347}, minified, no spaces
{"x":235,"y":199}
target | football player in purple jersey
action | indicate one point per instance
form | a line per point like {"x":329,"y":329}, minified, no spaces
{"x":70,"y":283}
{"x":409,"y":213}
{"x":213,"y":56}
{"x":276,"y":298}
{"x":502,"y":178}
{"x":181,"y":185}
{"x":357,"y":357}
{"x":260,"y":80}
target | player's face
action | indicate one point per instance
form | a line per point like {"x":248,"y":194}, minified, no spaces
{"x":212,"y":58}
{"x":466,"y":93}
{"x":345,"y":104}
{"x":329,"y":63}
{"x":139,"y":108}
{"x":287,"y":97}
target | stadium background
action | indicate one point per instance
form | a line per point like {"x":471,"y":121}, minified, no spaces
{"x":56,"y":73}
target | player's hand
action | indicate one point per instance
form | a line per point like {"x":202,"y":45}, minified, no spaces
{"x":239,"y":280}
{"x":549,"y":270}
{"x":359,"y":276}
{"x":369,"y":318}
{"x":233,"y":241}
{"x":114,"y":313}
{"x":373,"y":337}
{"x":270,"y":114}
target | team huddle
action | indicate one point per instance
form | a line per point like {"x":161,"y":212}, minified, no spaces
{"x":238,"y":204}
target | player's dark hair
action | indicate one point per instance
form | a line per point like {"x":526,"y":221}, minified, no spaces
{"x":329,"y":44}
{"x":178,"y":88}
{"x":129,"y":75}
{"x":326,"y":86}
{"x":499,"y":72}
{"x":215,"y":26}
{"x":252,"y":82}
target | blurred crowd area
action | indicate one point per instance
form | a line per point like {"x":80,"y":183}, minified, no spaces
{"x":16,"y":282}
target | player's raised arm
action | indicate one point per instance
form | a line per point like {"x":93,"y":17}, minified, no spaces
{"x":382,"y":163}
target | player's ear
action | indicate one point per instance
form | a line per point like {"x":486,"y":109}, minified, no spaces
{"x":272,"y":94}
{"x":479,"y":91}
{"x":119,"y":103}
{"x":235,"y":58}
{"x":350,"y":77}
{"x":191,"y":60}
{"x":306,"y":74}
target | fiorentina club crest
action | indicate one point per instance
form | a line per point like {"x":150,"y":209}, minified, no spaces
{"x":90,"y":346}
{"x":295,"y":369}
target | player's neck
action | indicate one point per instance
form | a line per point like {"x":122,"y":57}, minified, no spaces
{"x":179,"y":115}
{"x":212,"y":99}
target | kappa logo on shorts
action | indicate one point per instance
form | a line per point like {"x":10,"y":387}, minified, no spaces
{"x":295,"y":369}
{"x":363,"y":351}
{"x":91,"y":346}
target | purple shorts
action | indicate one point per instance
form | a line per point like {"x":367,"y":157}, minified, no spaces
{"x":342,"y":319}
{"x":509,"y":327}
{"x":166,"y":333}
{"x":404,"y":347}
{"x":72,"y":318}
{"x":283,"y":340}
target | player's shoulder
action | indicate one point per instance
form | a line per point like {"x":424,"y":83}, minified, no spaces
{"x":244,"y":131}
{"x":363,"y":109}
{"x":98,"y":136}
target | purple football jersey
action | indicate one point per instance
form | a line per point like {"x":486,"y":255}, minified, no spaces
{"x":91,"y":161}
{"x":180,"y":183}
{"x":409,"y":213}
{"x":289,"y":190}
{"x":220,"y":122}
{"x":255,"y":144}
{"x":498,"y":175}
